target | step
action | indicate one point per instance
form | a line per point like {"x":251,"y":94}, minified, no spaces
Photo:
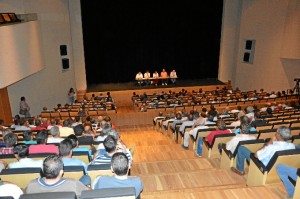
{"x":169,"y":167}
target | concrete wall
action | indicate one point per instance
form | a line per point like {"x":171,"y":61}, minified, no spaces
{"x":267,"y":22}
{"x":50,"y":86}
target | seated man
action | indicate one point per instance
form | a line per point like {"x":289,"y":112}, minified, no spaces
{"x":53,"y":169}
{"x":194,"y":130}
{"x":111,"y":147}
{"x":120,"y":166}
{"x":55,"y":135}
{"x":139,"y":78}
{"x":221,"y":129}
{"x":21,"y":153}
{"x":284,"y":171}
{"x":42,"y":146}
{"x":173,"y":76}
{"x":9,"y":189}
{"x":277,"y":143}
{"x":65,"y":151}
{"x":75,"y":145}
{"x":10,"y":140}
{"x":243,"y":135}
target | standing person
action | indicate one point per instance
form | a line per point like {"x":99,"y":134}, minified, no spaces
{"x":173,"y":76}
{"x":139,"y":78}
{"x":24,"y":108}
{"x":71,"y":96}
{"x":164,"y":75}
{"x":155,"y":78}
{"x":147,"y":75}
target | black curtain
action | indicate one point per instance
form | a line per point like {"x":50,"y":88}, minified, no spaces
{"x":124,"y":37}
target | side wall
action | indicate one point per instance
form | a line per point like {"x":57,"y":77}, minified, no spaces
{"x":266,"y":22}
{"x":49,"y":86}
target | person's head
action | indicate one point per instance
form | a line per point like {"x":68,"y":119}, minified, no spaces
{"x":245,"y":128}
{"x":6,"y":131}
{"x":53,"y":167}
{"x":74,"y":140}
{"x":269,"y":110}
{"x":37,"y":122}
{"x":65,"y":123}
{"x":41,"y":137}
{"x":190,"y":117}
{"x":120,"y":164}
{"x":71,"y":90}
{"x":221,"y":124}
{"x":178,"y":115}
{"x":245,"y":120}
{"x":10,"y":139}
{"x":27,"y":135}
{"x":114,"y":133}
{"x":23,"y":98}
{"x":78,"y":129}
{"x":110,"y":144}
{"x":21,"y":151}
{"x":106,"y":128}
{"x":54,"y":131}
{"x":283,"y":133}
{"x":77,"y":118}
{"x":250,"y":109}
{"x":65,"y":147}
{"x":210,"y":117}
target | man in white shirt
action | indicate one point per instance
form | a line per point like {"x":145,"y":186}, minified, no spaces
{"x":147,"y":75}
{"x":21,"y":153}
{"x":173,"y":76}
{"x":139,"y":78}
{"x":55,"y":135}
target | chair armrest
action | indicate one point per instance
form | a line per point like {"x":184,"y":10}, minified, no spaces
{"x":227,"y":152}
{"x":258,"y":163}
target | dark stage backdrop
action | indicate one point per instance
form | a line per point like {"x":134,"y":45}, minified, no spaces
{"x":124,"y":37}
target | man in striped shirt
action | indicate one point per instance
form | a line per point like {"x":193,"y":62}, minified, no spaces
{"x":111,"y":147}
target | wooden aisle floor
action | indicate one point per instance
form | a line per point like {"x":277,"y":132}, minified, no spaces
{"x":168,"y":171}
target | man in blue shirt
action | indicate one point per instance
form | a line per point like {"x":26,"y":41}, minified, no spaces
{"x":65,"y":151}
{"x":277,"y":143}
{"x":120,"y":167}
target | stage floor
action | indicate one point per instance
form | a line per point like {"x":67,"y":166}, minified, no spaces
{"x":133,"y":85}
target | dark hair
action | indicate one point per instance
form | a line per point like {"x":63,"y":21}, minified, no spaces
{"x":41,"y":137}
{"x":27,"y":135}
{"x":23,"y":98}
{"x":78,"y":129}
{"x":65,"y":147}
{"x":221,"y":124}
{"x":22,"y":150}
{"x":73,"y":139}
{"x":52,"y":165}
{"x":110,"y":144}
{"x":120,"y":164}
{"x":10,"y":139}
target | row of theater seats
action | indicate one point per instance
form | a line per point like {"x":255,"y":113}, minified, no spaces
{"x":117,"y":193}
{"x":258,"y":174}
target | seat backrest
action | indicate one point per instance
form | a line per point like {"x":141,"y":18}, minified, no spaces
{"x":221,"y":138}
{"x":82,"y":155}
{"x":124,"y":193}
{"x":99,"y":170}
{"x":49,"y":195}
{"x":39,"y":156}
{"x":20,"y":176}
{"x":267,"y":133}
{"x":75,"y":172}
{"x":248,"y":142}
{"x":8,"y":158}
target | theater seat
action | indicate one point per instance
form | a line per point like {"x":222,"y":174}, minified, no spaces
{"x":228,"y":159}
{"x":121,"y":193}
{"x":20,"y":176}
{"x":212,"y":151}
{"x":99,"y":170}
{"x":74,"y":172}
{"x":50,"y":195}
{"x":259,"y":174}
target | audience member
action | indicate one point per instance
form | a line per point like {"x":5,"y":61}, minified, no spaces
{"x":21,"y":153}
{"x":42,"y":146}
{"x":53,"y":181}
{"x":285,"y":171}
{"x":65,"y":151}
{"x":10,"y":140}
{"x":55,"y":135}
{"x":277,"y":143}
{"x":28,"y":138}
{"x":66,"y":130}
{"x":8,"y":189}
{"x":221,"y":129}
{"x":120,"y":166}
{"x":75,"y":145}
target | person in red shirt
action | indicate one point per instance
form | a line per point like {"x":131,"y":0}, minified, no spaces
{"x":42,"y":146}
{"x":164,"y":74}
{"x":221,"y":129}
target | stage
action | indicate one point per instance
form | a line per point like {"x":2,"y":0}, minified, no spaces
{"x":133,"y":85}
